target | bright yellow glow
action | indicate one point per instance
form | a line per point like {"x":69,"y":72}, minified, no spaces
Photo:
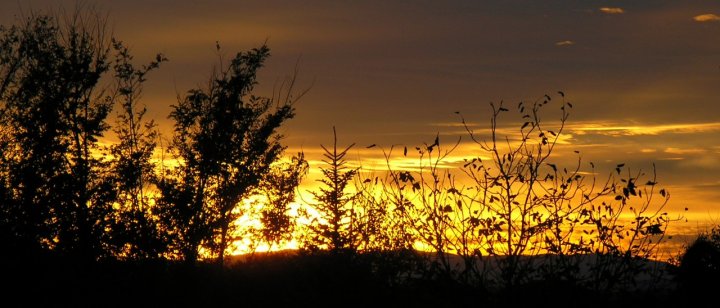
{"x":375,"y":162}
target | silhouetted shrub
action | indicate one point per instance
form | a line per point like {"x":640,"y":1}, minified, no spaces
{"x":699,"y":269}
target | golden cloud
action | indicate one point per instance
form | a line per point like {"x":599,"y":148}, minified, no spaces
{"x":638,"y":130}
{"x":565,"y":43}
{"x":684,"y":151}
{"x":706,"y":18}
{"x":612,"y":10}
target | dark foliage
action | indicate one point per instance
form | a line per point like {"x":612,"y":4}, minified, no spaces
{"x":133,"y":230}
{"x":226,"y":142}
{"x":699,"y":270}
{"x":279,"y":187}
{"x":53,"y":112}
{"x":319,"y":279}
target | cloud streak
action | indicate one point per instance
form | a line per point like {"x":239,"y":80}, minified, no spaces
{"x":707,"y":18}
{"x":639,"y":130}
{"x":565,"y":43}
{"x":684,"y":151}
{"x":612,"y":10}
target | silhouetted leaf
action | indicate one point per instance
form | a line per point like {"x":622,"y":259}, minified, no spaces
{"x":553,"y":166}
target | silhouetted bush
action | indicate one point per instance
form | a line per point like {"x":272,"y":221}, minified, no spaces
{"x":699,"y":270}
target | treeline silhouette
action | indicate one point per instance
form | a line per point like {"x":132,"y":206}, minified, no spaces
{"x":82,"y":221}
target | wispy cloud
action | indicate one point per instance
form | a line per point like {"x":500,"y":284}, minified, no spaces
{"x":565,"y":43}
{"x":684,"y":151}
{"x":612,"y":10}
{"x":637,"y":130}
{"x":706,"y":18}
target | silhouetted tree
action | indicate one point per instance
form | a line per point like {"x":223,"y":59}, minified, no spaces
{"x":335,"y":227}
{"x":278,"y":188}
{"x":54,"y":111}
{"x":134,"y":232}
{"x":225,"y":141}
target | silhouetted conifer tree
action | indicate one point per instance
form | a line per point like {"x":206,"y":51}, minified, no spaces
{"x":334,"y":228}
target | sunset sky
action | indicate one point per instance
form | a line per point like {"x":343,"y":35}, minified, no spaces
{"x":644,"y":76}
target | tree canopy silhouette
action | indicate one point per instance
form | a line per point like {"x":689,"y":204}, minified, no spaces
{"x":54,"y":108}
{"x":226,"y":141}
{"x":134,"y":229}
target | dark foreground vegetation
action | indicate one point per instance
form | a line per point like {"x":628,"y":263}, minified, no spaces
{"x":309,"y":279}
{"x":87,"y":224}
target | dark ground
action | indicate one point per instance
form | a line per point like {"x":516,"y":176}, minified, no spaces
{"x":41,"y":278}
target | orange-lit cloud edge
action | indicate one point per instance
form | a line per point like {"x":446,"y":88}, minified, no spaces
{"x":707,"y":18}
{"x":612,"y":10}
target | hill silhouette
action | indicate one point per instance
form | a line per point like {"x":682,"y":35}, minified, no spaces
{"x":292,"y":278}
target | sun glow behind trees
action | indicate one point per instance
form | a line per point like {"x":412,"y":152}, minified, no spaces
{"x":400,"y":161}
{"x":221,"y":185}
